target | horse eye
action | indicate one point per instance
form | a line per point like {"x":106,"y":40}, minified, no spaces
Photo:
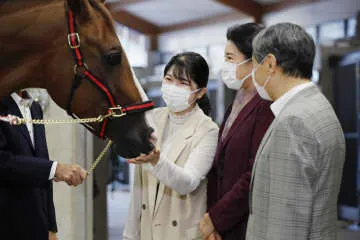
{"x":114,"y":58}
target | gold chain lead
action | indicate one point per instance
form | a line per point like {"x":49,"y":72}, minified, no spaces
{"x":19,"y":121}
{"x":98,"y":159}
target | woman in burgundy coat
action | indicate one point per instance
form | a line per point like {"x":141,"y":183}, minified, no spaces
{"x":241,"y":132}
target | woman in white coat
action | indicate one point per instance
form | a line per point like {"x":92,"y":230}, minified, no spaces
{"x":169,"y":192}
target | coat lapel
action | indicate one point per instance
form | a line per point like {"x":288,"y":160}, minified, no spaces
{"x":178,"y":144}
{"x":244,"y":113}
{"x":13,"y":109}
{"x":258,"y":154}
{"x":221,"y":130}
{"x":38,"y":131}
{"x":160,"y":123}
{"x":303,"y":93}
{"x":310,"y":90}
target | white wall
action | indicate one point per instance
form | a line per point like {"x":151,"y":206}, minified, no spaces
{"x":73,"y":206}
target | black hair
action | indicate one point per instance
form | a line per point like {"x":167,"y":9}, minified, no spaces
{"x":243,"y":35}
{"x":194,"y":66}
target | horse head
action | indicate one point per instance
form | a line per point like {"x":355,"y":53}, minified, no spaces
{"x":50,"y":47}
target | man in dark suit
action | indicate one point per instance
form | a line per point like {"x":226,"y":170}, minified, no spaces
{"x":26,"y":196}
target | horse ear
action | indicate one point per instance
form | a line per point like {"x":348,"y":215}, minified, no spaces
{"x":79,"y":7}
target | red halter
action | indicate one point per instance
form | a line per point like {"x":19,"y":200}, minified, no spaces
{"x":82,"y":72}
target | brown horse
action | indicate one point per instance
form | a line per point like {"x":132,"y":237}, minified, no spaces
{"x":35,"y":52}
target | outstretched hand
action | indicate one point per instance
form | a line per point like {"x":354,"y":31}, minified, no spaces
{"x":152,"y":158}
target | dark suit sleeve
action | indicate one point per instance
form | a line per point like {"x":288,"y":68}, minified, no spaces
{"x":18,"y":169}
{"x":233,"y":206}
{"x":51,"y":210}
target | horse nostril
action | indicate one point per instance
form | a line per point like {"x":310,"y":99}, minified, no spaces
{"x":150,"y":132}
{"x":151,"y":138}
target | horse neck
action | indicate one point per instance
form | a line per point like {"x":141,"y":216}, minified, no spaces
{"x":28,"y":39}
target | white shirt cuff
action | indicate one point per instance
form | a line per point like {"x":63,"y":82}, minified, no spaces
{"x":53,"y":170}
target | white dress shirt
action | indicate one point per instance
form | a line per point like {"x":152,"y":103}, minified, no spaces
{"x":24,"y":107}
{"x":279,"y":104}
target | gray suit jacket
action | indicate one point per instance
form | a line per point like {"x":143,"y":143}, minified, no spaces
{"x":297,"y":173}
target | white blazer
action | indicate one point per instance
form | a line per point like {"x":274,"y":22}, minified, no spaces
{"x":180,"y":203}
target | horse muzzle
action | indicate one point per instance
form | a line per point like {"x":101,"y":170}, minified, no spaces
{"x":132,"y":136}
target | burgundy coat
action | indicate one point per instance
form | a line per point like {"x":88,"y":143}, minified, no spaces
{"x":230,"y":176}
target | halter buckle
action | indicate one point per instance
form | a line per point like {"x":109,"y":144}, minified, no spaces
{"x":76,"y":43}
{"x":117,"y":111}
{"x":79,"y":70}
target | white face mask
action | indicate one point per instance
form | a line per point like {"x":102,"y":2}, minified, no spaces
{"x":175,"y":97}
{"x":228,"y":75}
{"x":261,"y":89}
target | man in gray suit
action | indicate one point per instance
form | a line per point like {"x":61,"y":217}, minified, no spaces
{"x":298,"y":167}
